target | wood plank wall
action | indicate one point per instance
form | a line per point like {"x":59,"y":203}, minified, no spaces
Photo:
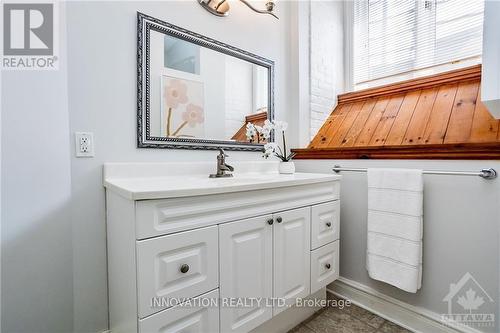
{"x":443,"y":109}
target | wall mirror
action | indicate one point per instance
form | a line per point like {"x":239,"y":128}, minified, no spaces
{"x":197,"y":93}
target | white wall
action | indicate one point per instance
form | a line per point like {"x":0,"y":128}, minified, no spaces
{"x":461,"y":223}
{"x":37,"y":268}
{"x":317,"y":57}
{"x":102,"y":99}
{"x":53,"y":221}
{"x":299,"y":113}
{"x":327,"y":60}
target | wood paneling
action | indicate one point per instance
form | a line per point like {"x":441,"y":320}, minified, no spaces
{"x":349,"y":119}
{"x":421,"y":115}
{"x":371,"y":123}
{"x":386,"y":121}
{"x":463,"y":151}
{"x":398,"y":130}
{"x":463,"y":74}
{"x":331,"y":125}
{"x":485,"y":128}
{"x":460,"y":125}
{"x":321,"y":139}
{"x":440,"y":114}
{"x":358,"y":124}
{"x":336,"y":125}
{"x":435,"y":117}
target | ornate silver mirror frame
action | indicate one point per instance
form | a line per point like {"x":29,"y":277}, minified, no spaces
{"x":145,"y":24}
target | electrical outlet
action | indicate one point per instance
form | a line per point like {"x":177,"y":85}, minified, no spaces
{"x":84,"y":144}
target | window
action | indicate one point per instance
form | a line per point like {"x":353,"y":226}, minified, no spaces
{"x":181,"y":55}
{"x":395,"y":40}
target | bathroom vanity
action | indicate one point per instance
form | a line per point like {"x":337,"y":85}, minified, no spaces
{"x":189,"y":253}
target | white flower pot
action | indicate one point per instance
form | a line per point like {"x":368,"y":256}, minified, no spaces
{"x":287,"y":168}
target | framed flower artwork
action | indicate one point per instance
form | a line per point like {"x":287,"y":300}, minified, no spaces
{"x":182,"y":107}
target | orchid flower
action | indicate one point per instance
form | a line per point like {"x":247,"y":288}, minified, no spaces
{"x":251,"y":132}
{"x":271,"y":148}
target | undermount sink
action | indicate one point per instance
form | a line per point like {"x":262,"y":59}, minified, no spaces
{"x":142,"y":181}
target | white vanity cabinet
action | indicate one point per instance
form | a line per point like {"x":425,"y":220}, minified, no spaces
{"x":181,"y":261}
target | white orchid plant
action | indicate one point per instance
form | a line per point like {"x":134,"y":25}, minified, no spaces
{"x":260,"y":134}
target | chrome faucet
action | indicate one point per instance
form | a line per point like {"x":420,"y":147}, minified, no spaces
{"x":222,"y":167}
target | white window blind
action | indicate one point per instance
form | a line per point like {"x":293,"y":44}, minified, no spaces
{"x":401,"y":39}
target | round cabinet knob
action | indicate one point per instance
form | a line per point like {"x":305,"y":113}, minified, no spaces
{"x":184,"y":268}
{"x":270,"y":221}
{"x":328,"y":224}
{"x":328,"y":266}
{"x":279,"y":219}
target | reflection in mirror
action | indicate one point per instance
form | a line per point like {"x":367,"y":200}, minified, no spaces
{"x":199,"y":93}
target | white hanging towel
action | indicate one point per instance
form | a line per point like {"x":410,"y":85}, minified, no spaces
{"x":395,"y":227}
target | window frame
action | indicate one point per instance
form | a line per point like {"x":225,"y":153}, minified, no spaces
{"x":350,"y":85}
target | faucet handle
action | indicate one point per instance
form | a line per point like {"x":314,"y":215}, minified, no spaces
{"x":222,"y":152}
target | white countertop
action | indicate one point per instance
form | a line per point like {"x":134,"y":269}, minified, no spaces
{"x":127,"y":181}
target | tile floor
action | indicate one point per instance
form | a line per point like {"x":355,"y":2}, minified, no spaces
{"x":352,"y":319}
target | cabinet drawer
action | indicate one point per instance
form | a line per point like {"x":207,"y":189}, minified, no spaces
{"x":167,"y":216}
{"x":324,"y":266}
{"x":325,"y":223}
{"x":200,"y":315}
{"x":176,"y":266}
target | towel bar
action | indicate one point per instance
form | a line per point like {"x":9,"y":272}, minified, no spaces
{"x":489,"y":173}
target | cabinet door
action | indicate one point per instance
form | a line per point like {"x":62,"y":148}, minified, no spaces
{"x":245,"y":272}
{"x":199,"y":315}
{"x":291,"y":255}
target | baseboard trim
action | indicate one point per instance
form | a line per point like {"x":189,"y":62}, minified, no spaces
{"x":413,"y":318}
